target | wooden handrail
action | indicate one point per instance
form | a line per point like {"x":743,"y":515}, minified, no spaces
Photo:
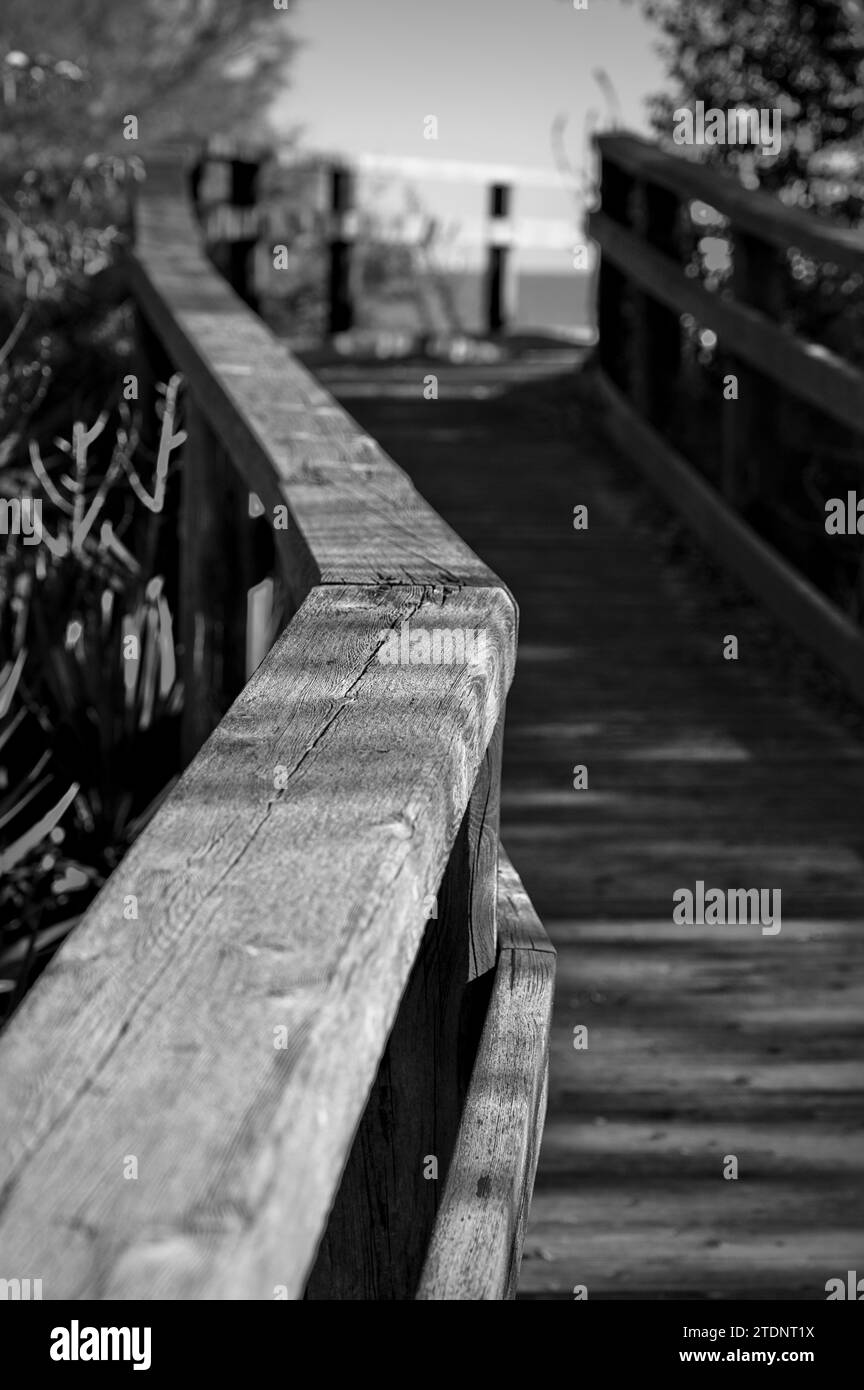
{"x":645,"y":233}
{"x":813,"y":372}
{"x":356,"y":517}
{"x":257,"y":908}
{"x":222,"y":1010}
{"x":751,"y":210}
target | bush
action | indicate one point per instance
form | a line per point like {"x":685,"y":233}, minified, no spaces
{"x":89,"y":695}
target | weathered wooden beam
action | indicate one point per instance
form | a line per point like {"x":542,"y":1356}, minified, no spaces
{"x":348,"y":513}
{"x":226,"y":1001}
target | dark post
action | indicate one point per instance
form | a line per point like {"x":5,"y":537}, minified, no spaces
{"x":498,"y":249}
{"x":655,"y":339}
{"x":231,"y":223}
{"x":341,"y":312}
{"x":244,"y":195}
{"x":750,"y":424}
{"x":611,"y":324}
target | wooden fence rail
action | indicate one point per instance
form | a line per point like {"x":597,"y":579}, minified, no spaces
{"x":647,"y":289}
{"x":322,"y":1035}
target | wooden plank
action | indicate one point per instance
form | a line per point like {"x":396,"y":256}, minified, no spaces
{"x":786,"y":592}
{"x":754,"y":211}
{"x":281,"y":886}
{"x":807,"y":369}
{"x":353,"y":515}
{"x":703,"y":1045}
{"x":476,"y":1245}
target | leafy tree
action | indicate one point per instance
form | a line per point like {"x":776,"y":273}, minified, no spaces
{"x":803,"y":57}
{"x":185,"y":68}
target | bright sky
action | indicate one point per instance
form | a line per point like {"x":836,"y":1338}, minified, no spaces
{"x":495,"y":73}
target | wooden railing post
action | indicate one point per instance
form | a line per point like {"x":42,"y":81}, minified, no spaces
{"x":655,"y":336}
{"x":612,"y":285}
{"x":215,"y":576}
{"x":244,"y":197}
{"x":751,"y":453}
{"x":498,"y":257}
{"x":342,"y":236}
{"x":231,"y":224}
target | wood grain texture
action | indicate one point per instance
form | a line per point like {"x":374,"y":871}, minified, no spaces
{"x":476,"y":1244}
{"x":281,"y":885}
{"x":809,"y":370}
{"x":754,"y":211}
{"x":225,"y":1004}
{"x":355,"y":517}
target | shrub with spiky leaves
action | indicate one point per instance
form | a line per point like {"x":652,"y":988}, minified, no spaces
{"x":89,"y":695}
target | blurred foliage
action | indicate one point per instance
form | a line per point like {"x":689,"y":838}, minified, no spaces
{"x":802,"y":57}
{"x":187,"y":69}
{"x":61,"y":337}
{"x":89,"y":698}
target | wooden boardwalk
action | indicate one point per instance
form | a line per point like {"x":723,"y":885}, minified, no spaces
{"x":703,"y":1042}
